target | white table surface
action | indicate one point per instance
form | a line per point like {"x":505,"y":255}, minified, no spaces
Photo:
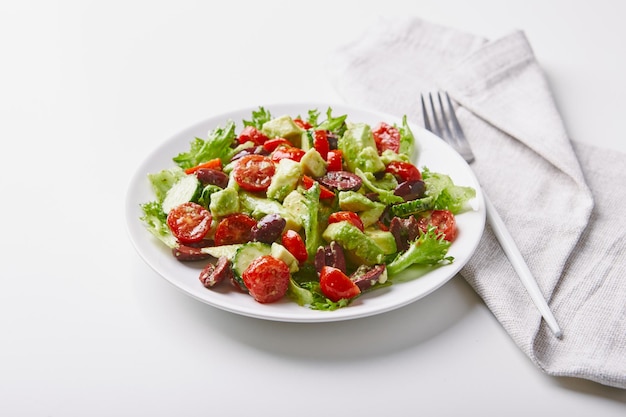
{"x":88,"y":88}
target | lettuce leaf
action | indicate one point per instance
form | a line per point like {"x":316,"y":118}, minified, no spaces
{"x":310,"y":220}
{"x":427,"y":249}
{"x":446,"y":194}
{"x":334,"y":124}
{"x":155,"y":220}
{"x":163,"y":180}
{"x":384,"y":187}
{"x":217,"y":145}
{"x":407,"y":140}
{"x":259,"y":117}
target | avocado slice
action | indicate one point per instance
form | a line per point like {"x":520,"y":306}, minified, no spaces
{"x":284,"y":127}
{"x":362,"y":247}
{"x":285,"y":180}
{"x":359,"y":149}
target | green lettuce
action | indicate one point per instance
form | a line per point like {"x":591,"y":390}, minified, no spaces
{"x":310,"y":219}
{"x":163,"y":180}
{"x":407,"y":140}
{"x":427,"y":249}
{"x":313,"y":116}
{"x":155,"y":220}
{"x":334,"y":124}
{"x":259,"y":117}
{"x":383,"y":187}
{"x":216,"y":145}
{"x":446,"y":194}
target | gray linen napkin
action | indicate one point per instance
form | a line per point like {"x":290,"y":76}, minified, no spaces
{"x":561,"y":200}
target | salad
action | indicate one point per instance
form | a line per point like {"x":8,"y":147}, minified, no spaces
{"x":315,"y":207}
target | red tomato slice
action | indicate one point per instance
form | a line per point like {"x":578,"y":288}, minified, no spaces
{"x":289,"y":152}
{"x":236,"y":228}
{"x":251,"y":133}
{"x":267,"y":279}
{"x":325,"y":193}
{"x":254,"y":172}
{"x":271,"y":144}
{"x":211,"y":164}
{"x":320,"y":143}
{"x":443,"y":220}
{"x":349,"y":216}
{"x":386,"y":137}
{"x":302,"y":124}
{"x":334,"y":159}
{"x":405,"y":171}
{"x":336,"y":285}
{"x":293,"y":242}
{"x":189,"y":222}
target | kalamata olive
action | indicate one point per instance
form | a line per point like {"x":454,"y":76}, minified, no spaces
{"x":366,"y":276}
{"x":380,"y":175}
{"x":330,"y":255}
{"x":192,"y":251}
{"x":212,"y":274}
{"x":269,"y":228}
{"x":341,"y":181}
{"x":212,"y":176}
{"x":338,"y":259}
{"x":386,"y":217}
{"x":410,"y":190}
{"x":404,"y":231}
{"x":255,"y":150}
{"x":332,"y":140}
{"x":320,"y":259}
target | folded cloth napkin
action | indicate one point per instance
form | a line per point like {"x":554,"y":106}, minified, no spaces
{"x":560,"y":199}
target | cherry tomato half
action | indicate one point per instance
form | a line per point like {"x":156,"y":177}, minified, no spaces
{"x":302,"y":124}
{"x":293,"y":242}
{"x":254,"y":172}
{"x":325,"y":193}
{"x":336,"y":285}
{"x":189,"y":222}
{"x":349,"y":216}
{"x":271,"y":144}
{"x":289,"y":152}
{"x":405,"y":171}
{"x":251,"y":133}
{"x":387,"y":137}
{"x":320,"y":143}
{"x":442,"y":220}
{"x":236,"y":228}
{"x":267,"y":279}
{"x":335,"y":160}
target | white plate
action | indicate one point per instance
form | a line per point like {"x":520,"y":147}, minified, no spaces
{"x":432,"y":152}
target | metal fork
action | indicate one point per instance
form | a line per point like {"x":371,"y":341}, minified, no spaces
{"x":447,"y":127}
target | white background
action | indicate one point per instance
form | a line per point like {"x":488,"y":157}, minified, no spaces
{"x":88,"y":88}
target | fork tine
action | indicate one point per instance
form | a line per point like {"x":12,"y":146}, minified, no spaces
{"x":444,"y":120}
{"x":437,"y":129}
{"x":465,"y":149}
{"x":453,"y":134}
{"x":425,"y":115}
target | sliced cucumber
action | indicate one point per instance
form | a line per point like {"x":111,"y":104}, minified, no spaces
{"x":413,"y":207}
{"x":184,"y":190}
{"x":247,"y":253}
{"x":228,"y":251}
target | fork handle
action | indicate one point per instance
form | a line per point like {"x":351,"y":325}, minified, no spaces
{"x":520,"y":266}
